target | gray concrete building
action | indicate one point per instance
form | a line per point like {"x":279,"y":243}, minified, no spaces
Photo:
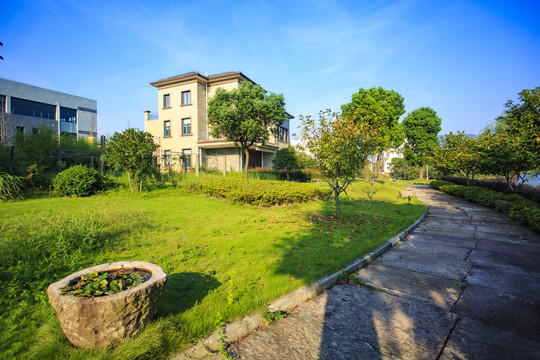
{"x":25,"y":107}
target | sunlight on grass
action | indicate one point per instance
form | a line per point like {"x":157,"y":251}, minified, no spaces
{"x":224,"y":260}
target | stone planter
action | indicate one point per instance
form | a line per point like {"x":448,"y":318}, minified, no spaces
{"x":101,"y":321}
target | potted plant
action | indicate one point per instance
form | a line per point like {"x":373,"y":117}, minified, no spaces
{"x":96,"y":310}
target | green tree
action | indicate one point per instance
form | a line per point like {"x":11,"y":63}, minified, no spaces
{"x":421,"y":127}
{"x":502,"y":154}
{"x":246,"y":116}
{"x":519,"y":128}
{"x":306,"y":161}
{"x":459,"y":154}
{"x":377,"y":110}
{"x":337,"y":145}
{"x":132,"y":152}
{"x":286,"y":159}
{"x":400,"y":169}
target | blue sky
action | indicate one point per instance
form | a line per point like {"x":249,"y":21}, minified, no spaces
{"x":462,"y":58}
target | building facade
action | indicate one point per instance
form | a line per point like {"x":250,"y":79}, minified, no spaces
{"x":25,"y":107}
{"x":182,"y":128}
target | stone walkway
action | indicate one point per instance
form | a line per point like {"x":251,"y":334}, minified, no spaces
{"x":464,"y":285}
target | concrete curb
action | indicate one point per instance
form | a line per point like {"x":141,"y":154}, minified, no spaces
{"x":207,"y":348}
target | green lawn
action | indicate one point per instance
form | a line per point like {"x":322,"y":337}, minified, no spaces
{"x":224,"y":260}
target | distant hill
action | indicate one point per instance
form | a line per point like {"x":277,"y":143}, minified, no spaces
{"x":472,"y":136}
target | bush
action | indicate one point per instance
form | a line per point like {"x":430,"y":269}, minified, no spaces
{"x":78,"y":180}
{"x":294,"y":175}
{"x":261,"y":192}
{"x":527,"y":191}
{"x":10,"y":186}
{"x":518,"y":208}
{"x":402,"y":170}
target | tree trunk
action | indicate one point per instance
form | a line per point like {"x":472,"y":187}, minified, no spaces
{"x":366,"y":171}
{"x":336,"y":197}
{"x":129,"y":181}
{"x":246,"y":153}
{"x":140,"y":184}
{"x":420,"y":172}
{"x":378,"y":165}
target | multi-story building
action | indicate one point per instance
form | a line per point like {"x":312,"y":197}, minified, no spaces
{"x":24,"y":107}
{"x":182,"y":125}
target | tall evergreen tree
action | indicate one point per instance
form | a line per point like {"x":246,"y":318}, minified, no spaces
{"x":421,"y":127}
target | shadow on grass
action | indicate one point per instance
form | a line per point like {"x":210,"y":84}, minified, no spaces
{"x":182,"y":291}
{"x":332,"y":243}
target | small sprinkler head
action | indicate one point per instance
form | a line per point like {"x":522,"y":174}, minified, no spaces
{"x":409,"y":199}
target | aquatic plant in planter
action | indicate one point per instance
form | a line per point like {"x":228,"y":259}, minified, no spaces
{"x":103,"y":304}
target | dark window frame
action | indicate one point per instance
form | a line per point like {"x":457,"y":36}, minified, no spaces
{"x":188,"y":92}
{"x":187,"y":164}
{"x":184,"y":127}
{"x":167,"y":129}
{"x":166,"y":101}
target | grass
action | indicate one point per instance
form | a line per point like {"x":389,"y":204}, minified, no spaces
{"x":224,"y":260}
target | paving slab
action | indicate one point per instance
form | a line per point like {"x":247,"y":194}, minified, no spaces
{"x":428,"y":288}
{"x":479,"y":216}
{"x":433,"y":249}
{"x":521,"y":249}
{"x":350,"y":322}
{"x":455,"y":231}
{"x":501,"y":310}
{"x":449,"y":240}
{"x":447,"y":221}
{"x":526,"y":261}
{"x":433,"y":264}
{"x":509,"y":279}
{"x":473,"y":339}
{"x":511,"y":230}
{"x":447,"y":213}
{"x":504,"y":237}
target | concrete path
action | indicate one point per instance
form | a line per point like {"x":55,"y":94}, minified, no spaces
{"x":464,"y":285}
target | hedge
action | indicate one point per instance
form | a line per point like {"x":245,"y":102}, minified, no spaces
{"x":521,"y":210}
{"x":261,"y":192}
{"x":78,"y":180}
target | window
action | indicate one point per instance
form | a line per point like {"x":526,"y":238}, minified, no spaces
{"x":167,"y":128}
{"x":2,"y":104}
{"x":186,"y":97}
{"x":166,"y":101}
{"x":32,"y":108}
{"x":283,"y":134}
{"x":167,"y":158}
{"x":68,"y":120}
{"x":186,"y":126}
{"x":186,"y":154}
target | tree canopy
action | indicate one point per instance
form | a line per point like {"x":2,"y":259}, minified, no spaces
{"x":246,"y":116}
{"x":286,"y":159}
{"x":458,"y":154}
{"x":421,"y":127}
{"x":377,"y":110}
{"x":132,"y":152}
{"x":337,"y":145}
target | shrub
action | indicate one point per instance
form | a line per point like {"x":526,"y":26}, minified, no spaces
{"x":293,"y":175}
{"x":78,"y":180}
{"x":527,"y":191}
{"x":402,"y":170}
{"x":10,"y":186}
{"x":261,"y":192}
{"x":518,"y":208}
